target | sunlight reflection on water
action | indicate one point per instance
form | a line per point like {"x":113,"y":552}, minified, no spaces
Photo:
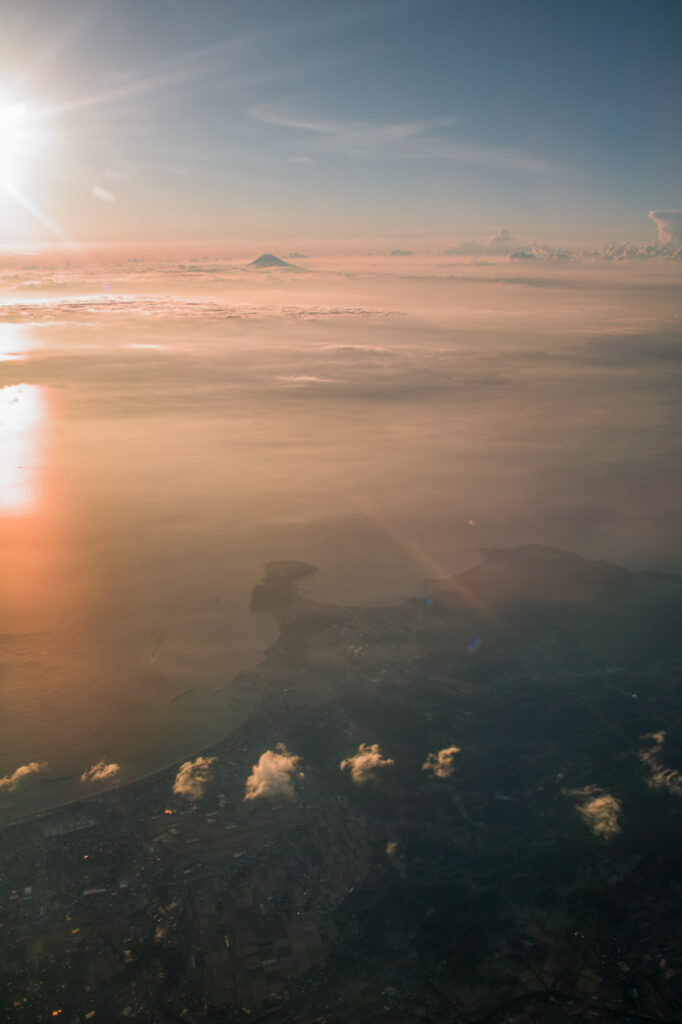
{"x":16,"y":341}
{"x":22,"y":416}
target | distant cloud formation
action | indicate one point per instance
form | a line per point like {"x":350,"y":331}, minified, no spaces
{"x":660,"y":777}
{"x":616,"y":251}
{"x":364,"y":765}
{"x":275,"y":775}
{"x":501,"y":244}
{"x":668,"y":246}
{"x":101,"y":772}
{"x":193,"y":776}
{"x":599,"y":810}
{"x":10,"y":782}
{"x":442,"y":763}
{"x":669,"y":224}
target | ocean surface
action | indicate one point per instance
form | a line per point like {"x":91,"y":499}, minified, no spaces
{"x":162,"y":438}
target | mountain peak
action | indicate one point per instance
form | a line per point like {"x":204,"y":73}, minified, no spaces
{"x":269,"y":260}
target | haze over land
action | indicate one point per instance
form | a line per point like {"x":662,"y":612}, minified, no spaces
{"x":174,"y":422}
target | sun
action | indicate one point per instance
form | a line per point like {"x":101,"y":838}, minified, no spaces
{"x":24,"y":140}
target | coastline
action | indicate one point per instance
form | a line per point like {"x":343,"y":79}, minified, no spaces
{"x":287,"y":576}
{"x":534,"y":575}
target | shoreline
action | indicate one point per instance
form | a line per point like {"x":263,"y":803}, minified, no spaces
{"x":277,"y":593}
{"x":120,"y":787}
{"x":286,"y":576}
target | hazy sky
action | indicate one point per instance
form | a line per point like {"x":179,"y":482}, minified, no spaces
{"x":226,"y":119}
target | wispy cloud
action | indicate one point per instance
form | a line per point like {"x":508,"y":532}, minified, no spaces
{"x":103,"y":194}
{"x":422,"y":139}
{"x":660,"y":777}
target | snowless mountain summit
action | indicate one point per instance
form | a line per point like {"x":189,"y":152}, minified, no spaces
{"x":269,"y":260}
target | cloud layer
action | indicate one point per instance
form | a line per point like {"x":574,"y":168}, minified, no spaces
{"x":192,"y":778}
{"x":364,"y":765}
{"x":10,"y":782}
{"x":275,"y":775}
{"x":163,"y":306}
{"x":101,"y":772}
{"x":442,"y":763}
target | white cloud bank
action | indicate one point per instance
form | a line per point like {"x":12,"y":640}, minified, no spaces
{"x":364,"y":765}
{"x":275,"y":775}
{"x":193,"y":777}
{"x":442,"y":763}
{"x":101,"y":772}
{"x":10,"y":782}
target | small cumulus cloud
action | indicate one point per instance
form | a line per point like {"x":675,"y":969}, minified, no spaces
{"x":101,"y":772}
{"x":10,"y":782}
{"x":364,"y":765}
{"x":442,"y":763}
{"x":599,"y":810}
{"x":193,"y":776}
{"x":659,"y":777}
{"x":275,"y":775}
{"x":394,"y":853}
{"x":103,"y":194}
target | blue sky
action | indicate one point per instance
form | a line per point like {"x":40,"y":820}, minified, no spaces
{"x":406,"y":120}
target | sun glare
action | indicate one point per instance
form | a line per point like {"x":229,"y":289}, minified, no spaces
{"x":14,"y":143}
{"x":22,"y":410}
